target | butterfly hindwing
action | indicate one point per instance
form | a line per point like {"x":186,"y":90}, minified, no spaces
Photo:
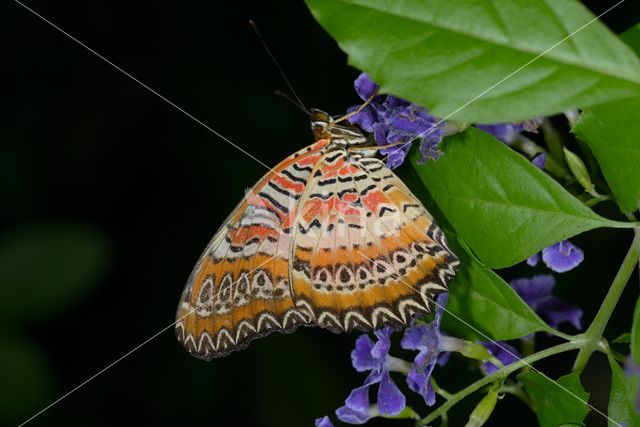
{"x":366,"y":252}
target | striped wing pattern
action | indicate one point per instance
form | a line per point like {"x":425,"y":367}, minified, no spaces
{"x":328,"y":239}
{"x":239,"y":289}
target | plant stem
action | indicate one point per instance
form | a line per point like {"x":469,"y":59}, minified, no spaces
{"x":592,"y":202}
{"x":500,"y":374}
{"x":593,"y":335}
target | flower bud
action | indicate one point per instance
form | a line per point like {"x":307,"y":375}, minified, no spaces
{"x":481,"y":413}
{"x":468,"y":349}
{"x":579,"y":170}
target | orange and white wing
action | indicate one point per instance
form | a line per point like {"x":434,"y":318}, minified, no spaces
{"x":365,"y":253}
{"x":239,"y":289}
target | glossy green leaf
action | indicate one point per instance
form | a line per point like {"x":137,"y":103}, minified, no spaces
{"x":484,"y":61}
{"x":635,"y":334}
{"x":43,"y":269}
{"x":622,"y":398}
{"x":557,"y":403}
{"x":612,"y":132}
{"x":482,"y":305}
{"x":504,"y":207}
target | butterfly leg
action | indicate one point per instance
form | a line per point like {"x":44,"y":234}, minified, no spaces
{"x":356,"y":111}
{"x":377,"y":147}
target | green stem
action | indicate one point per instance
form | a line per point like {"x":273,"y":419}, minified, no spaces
{"x":593,"y":335}
{"x":498,"y":375}
{"x":439,"y":390}
{"x":592,"y":202}
{"x":632,"y":217}
{"x":555,"y":142}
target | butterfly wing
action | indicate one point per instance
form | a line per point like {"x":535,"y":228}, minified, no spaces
{"x":239,"y":289}
{"x":365,"y":253}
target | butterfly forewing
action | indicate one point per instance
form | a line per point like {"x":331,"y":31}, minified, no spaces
{"x":240,"y":289}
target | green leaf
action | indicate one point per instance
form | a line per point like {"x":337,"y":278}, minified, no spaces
{"x":43,"y":269}
{"x":632,"y":38}
{"x":557,"y":404}
{"x":504,"y":207}
{"x":612,"y":132}
{"x":635,"y":334}
{"x":484,"y":61}
{"x":624,"y":338}
{"x":480,"y":298}
{"x":622,"y":397}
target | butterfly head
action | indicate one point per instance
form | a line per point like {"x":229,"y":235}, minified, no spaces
{"x":341,"y":133}
{"x":320,"y":123}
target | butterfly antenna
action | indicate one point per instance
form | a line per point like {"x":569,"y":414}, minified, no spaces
{"x":288,"y":98}
{"x":300,"y":104}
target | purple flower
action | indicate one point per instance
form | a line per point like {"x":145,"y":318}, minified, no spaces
{"x":430,"y":343}
{"x":394,"y":120}
{"x":505,"y":353}
{"x":539,"y":160}
{"x":559,"y":257}
{"x":353,"y":416}
{"x":365,"y":87}
{"x":537,"y":293}
{"x":374,"y":357}
{"x":323,"y":422}
{"x":509,"y":132}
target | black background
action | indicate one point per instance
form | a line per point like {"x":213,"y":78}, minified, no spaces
{"x":81,"y":144}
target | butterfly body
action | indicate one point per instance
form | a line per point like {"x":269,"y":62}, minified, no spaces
{"x":330,"y":237}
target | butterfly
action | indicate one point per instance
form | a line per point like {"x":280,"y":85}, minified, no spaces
{"x":330,"y":237}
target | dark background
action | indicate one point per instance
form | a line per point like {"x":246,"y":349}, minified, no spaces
{"x":108,"y":195}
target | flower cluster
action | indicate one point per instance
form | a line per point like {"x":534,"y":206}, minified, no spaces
{"x":393,"y":120}
{"x":433,"y":348}
{"x":397,"y":122}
